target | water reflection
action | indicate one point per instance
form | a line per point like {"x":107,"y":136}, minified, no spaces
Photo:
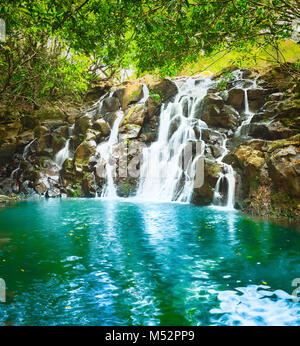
{"x":96,"y":262}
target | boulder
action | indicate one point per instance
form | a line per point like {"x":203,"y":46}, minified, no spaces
{"x":102,"y":126}
{"x":284,"y":168}
{"x":40,"y":188}
{"x":25,"y":137}
{"x":271,"y":131}
{"x":225,"y":117}
{"x":256,"y":98}
{"x":109,"y":105}
{"x":132,"y":93}
{"x":29,"y":122}
{"x":9,"y":132}
{"x":53,"y":193}
{"x":236,"y":98}
{"x":246,"y":158}
{"x":153,"y":107}
{"x":85,"y":151}
{"x":82,"y":124}
{"x":40,"y":130}
{"x":6,"y":152}
{"x":134,"y":115}
{"x":276,"y":96}
{"x":204,"y":194}
{"x":163,"y":88}
{"x":93,"y":135}
{"x":129,"y":131}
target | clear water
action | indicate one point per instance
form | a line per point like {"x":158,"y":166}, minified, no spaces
{"x":95,"y":262}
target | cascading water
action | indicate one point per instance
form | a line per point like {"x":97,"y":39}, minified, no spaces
{"x":64,"y":153}
{"x":228,"y":177}
{"x":162,"y":176}
{"x":105,"y":150}
{"x":252,"y":84}
{"x":24,"y":156}
{"x":27,"y":147}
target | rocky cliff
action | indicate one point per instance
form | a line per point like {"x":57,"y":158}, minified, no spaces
{"x":52,"y":151}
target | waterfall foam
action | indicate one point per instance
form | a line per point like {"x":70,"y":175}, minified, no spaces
{"x":162,"y":177}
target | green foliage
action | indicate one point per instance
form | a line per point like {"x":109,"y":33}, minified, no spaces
{"x":125,"y":188}
{"x":222,"y":85}
{"x":57,"y":47}
{"x":226,"y":77}
{"x":155,"y":97}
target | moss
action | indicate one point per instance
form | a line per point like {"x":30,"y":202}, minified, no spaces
{"x":156,"y":95}
{"x":295,"y":140}
{"x":76,"y":191}
{"x":284,"y":206}
{"x":125,"y":188}
{"x":253,"y":182}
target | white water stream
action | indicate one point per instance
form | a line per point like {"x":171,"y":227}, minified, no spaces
{"x":169,"y":170}
{"x":64,"y":153}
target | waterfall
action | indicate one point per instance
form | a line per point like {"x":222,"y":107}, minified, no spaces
{"x":146,"y":93}
{"x":228,"y":177}
{"x":168,"y":169}
{"x":64,"y":153}
{"x":106,"y":150}
{"x":24,"y":156}
{"x":26,"y":149}
{"x":162,"y":177}
{"x":242,"y":129}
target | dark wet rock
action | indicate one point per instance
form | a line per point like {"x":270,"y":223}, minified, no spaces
{"x":256,"y":98}
{"x":271,"y":131}
{"x":204,"y":195}
{"x":225,"y":117}
{"x":109,"y":105}
{"x":236,"y":98}
{"x":6,"y":152}
{"x":29,"y":122}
